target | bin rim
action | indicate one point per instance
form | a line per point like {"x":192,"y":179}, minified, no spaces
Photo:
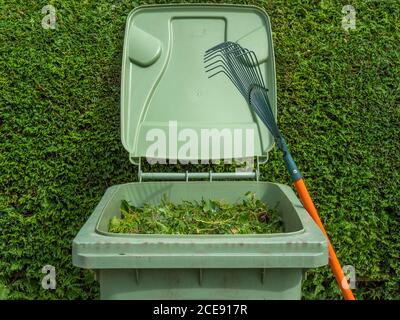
{"x":304,"y":248}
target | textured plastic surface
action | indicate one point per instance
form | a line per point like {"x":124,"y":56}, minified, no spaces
{"x":163,"y":76}
{"x":262,"y":266}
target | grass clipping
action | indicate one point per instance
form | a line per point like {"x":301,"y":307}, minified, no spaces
{"x":204,"y":217}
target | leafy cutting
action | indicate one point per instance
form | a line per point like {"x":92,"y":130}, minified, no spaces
{"x":198,"y":217}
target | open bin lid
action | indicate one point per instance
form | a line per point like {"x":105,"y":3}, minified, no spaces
{"x":166,"y":96}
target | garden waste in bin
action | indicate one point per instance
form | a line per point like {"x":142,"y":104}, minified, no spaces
{"x":166,"y":95}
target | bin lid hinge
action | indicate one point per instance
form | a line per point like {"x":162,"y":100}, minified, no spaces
{"x":247,"y":173}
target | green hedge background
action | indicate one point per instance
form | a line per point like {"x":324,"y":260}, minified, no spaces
{"x":338,"y":100}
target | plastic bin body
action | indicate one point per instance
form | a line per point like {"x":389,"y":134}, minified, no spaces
{"x":156,"y":266}
{"x":163,"y":81}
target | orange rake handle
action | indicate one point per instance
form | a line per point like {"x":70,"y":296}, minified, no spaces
{"x":333,"y":260}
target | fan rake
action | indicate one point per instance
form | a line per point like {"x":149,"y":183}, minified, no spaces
{"x":241,"y":66}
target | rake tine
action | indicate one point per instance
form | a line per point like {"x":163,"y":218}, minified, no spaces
{"x":221,"y":61}
{"x":218,"y":55}
{"x":217,"y":67}
{"x":212,"y":55}
{"x":229,"y":77}
{"x":217,"y":48}
{"x":220,"y":45}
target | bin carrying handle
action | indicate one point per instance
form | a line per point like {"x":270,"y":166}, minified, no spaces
{"x":186,"y":176}
{"x":210,"y":175}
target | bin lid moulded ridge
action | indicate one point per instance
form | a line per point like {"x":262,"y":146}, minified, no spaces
{"x":169,"y":107}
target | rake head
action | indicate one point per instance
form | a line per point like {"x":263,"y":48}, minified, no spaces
{"x":241,"y":66}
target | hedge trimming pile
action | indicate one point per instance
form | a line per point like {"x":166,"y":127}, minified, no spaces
{"x":198,"y":217}
{"x":60,"y":144}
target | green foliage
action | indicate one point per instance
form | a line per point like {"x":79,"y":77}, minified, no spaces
{"x":60,"y":148}
{"x":3,"y":292}
{"x":204,"y":217}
